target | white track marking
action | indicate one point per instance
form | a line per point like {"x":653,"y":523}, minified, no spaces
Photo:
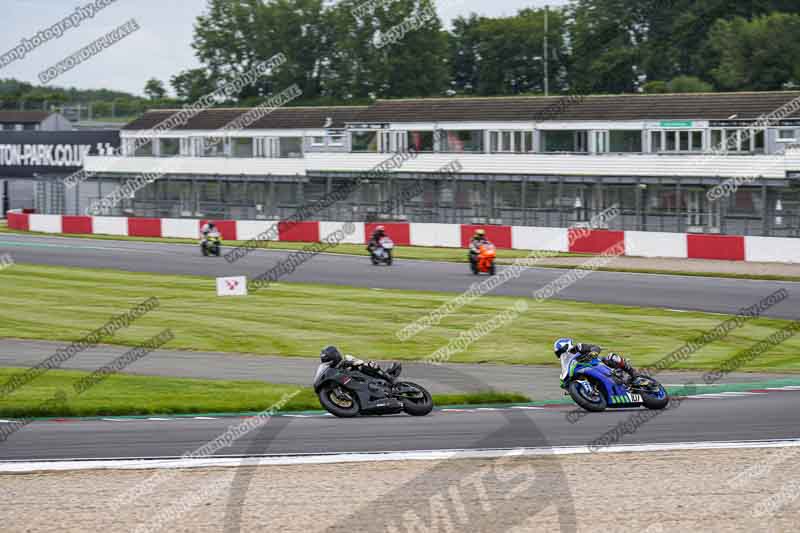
{"x":153,"y":418}
{"x":117,"y":419}
{"x":786,"y":388}
{"x":204,"y":417}
{"x":530,"y":407}
{"x":356,"y":457}
{"x":719,"y":395}
{"x":5,"y":422}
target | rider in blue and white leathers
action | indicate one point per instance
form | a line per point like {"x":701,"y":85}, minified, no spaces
{"x":568,"y":351}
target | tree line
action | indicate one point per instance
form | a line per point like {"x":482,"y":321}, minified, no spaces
{"x":602,"y":46}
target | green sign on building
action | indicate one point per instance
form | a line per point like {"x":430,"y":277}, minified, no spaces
{"x":676,"y":123}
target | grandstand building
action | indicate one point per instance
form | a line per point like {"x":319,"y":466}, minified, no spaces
{"x":529,"y":161}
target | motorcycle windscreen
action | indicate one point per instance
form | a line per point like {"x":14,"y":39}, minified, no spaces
{"x":321,"y":370}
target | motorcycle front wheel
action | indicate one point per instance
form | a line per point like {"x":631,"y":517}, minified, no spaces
{"x":338,"y":401}
{"x":654,"y":395}
{"x":417,"y":401}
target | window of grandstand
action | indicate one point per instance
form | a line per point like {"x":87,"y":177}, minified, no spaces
{"x":421,"y":141}
{"x":785,"y":136}
{"x":291,"y":147}
{"x":318,"y":141}
{"x":365,"y":141}
{"x":676,"y":141}
{"x":242,"y":147}
{"x":144,"y":149}
{"x":625,"y":140}
{"x":212,"y":147}
{"x":169,"y":147}
{"x":511,"y":141}
{"x":565,"y":141}
{"x":460,"y":141}
{"x":759,"y":144}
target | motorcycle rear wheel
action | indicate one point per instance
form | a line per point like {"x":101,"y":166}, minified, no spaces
{"x":594,"y":403}
{"x":335,"y":400}
{"x":420,"y":406}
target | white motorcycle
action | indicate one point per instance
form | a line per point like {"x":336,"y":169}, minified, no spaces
{"x":383,"y":252}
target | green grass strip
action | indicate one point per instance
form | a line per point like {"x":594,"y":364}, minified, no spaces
{"x":125,"y":394}
{"x":297,"y":319}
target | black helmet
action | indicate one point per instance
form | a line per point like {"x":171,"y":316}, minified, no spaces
{"x":330,"y":354}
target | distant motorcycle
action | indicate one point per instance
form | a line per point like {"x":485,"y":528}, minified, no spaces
{"x":595,"y":387}
{"x":484,"y":262}
{"x":212,"y":244}
{"x":383,"y":252}
{"x":348,"y":392}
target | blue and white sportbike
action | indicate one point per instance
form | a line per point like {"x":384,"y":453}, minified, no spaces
{"x":595,"y":386}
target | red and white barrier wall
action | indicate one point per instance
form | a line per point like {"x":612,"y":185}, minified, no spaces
{"x":636,"y":243}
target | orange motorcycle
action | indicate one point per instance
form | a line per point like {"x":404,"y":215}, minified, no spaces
{"x":485,"y":260}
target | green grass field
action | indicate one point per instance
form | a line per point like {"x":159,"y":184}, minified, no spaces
{"x":145,"y":395}
{"x":287,"y":319}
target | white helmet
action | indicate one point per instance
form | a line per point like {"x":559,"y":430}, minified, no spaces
{"x":563,"y":345}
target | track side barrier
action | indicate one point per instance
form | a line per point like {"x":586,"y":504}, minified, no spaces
{"x":637,"y":243}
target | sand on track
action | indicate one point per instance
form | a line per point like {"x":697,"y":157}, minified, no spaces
{"x":716,"y":490}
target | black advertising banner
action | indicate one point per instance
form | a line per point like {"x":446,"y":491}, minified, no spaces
{"x":26,"y":153}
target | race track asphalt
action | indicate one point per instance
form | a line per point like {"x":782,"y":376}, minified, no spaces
{"x":717,"y":295}
{"x":759,"y":417}
{"x":768,"y":416}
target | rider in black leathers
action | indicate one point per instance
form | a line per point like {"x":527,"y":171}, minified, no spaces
{"x":331,"y":354}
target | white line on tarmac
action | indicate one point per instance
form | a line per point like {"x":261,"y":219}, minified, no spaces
{"x":371,"y":457}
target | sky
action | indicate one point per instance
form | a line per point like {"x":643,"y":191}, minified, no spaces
{"x":160,"y":48}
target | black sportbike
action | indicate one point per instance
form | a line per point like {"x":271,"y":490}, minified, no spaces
{"x":347,"y":392}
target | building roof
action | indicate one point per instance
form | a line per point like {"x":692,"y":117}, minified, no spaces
{"x":693,"y":106}
{"x":23,"y":117}
{"x":697,"y":106}
{"x":280,"y":118}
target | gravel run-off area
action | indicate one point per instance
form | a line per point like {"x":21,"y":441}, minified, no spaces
{"x":715,"y":490}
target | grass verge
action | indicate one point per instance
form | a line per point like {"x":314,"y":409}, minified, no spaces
{"x":123,"y":394}
{"x":297,"y":319}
